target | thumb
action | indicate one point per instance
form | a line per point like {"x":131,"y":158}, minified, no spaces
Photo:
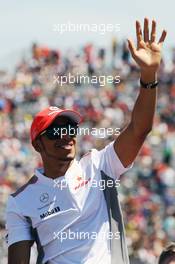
{"x":131,"y":47}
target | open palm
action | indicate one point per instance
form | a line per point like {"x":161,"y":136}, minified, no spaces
{"x":148,"y":52}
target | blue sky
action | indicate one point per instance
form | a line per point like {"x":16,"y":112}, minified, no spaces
{"x":23,"y":22}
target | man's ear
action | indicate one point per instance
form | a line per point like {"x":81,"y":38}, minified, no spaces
{"x":37,"y":145}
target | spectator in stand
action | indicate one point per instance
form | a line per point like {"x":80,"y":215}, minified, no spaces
{"x":168,"y":255}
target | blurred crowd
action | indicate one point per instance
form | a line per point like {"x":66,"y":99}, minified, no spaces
{"x":147,"y":191}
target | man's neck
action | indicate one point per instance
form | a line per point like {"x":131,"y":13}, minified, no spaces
{"x":52,"y":171}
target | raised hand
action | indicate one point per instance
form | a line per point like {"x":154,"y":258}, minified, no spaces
{"x":148,"y":52}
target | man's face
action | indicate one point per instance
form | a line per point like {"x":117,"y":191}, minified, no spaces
{"x":63,"y":148}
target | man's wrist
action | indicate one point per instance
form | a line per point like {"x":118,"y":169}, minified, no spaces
{"x":150,"y":85}
{"x":148,"y":76}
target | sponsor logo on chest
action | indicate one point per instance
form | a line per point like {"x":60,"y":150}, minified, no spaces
{"x":81,"y":182}
{"x":50,"y":212}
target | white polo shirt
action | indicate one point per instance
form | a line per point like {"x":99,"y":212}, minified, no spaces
{"x":68,"y":216}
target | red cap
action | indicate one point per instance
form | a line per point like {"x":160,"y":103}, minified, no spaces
{"x":45,"y":117}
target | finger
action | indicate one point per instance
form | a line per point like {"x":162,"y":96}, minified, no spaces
{"x":138,"y":33}
{"x":143,"y":44}
{"x":162,"y":38}
{"x":146,"y":30}
{"x":153,"y":31}
{"x":131,"y":47}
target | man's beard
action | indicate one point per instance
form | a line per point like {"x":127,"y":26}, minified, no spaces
{"x":58,"y":158}
{"x":67,"y":158}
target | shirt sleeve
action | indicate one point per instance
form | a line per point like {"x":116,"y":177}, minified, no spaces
{"x":17,"y":226}
{"x":109,"y":162}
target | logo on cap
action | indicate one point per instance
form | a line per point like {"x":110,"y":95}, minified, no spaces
{"x":53,"y":108}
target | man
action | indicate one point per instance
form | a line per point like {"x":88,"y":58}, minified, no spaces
{"x":168,"y":255}
{"x":72,"y":219}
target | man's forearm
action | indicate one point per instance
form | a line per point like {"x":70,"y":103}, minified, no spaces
{"x":144,"y":108}
{"x":19,"y":252}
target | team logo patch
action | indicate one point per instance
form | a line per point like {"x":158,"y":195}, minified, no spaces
{"x":44,"y":197}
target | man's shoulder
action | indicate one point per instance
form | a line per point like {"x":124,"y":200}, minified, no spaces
{"x":24,"y":187}
{"x":92,"y":157}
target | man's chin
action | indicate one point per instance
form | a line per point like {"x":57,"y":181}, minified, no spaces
{"x":69,"y":157}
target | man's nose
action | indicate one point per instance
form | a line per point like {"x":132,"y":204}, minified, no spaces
{"x":66,"y":137}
